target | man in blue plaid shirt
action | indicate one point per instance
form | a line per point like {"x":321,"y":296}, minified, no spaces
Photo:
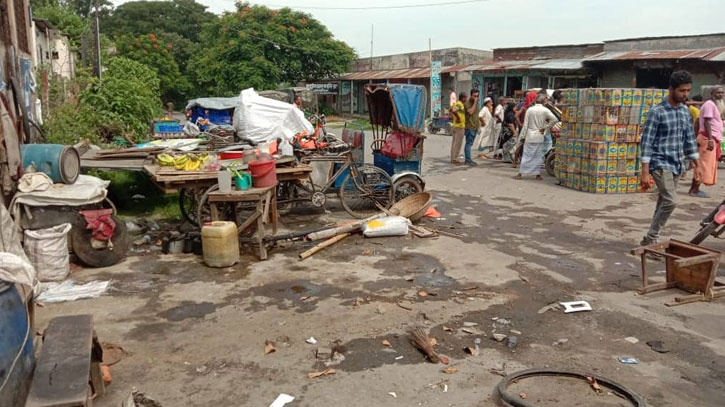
{"x":667,"y":138}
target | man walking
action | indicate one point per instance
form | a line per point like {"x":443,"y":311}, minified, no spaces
{"x":458,"y":113}
{"x":708,"y":141}
{"x":667,"y":138}
{"x":472,"y":125}
{"x":452,"y":97}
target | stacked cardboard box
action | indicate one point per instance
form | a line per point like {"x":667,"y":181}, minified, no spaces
{"x":598,"y":151}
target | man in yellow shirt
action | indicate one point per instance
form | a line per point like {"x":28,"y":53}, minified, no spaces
{"x":458,"y":114}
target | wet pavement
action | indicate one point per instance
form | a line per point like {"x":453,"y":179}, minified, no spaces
{"x":196,"y":335}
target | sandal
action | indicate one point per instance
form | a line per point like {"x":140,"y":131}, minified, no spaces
{"x":518,"y":176}
{"x":539,"y":178}
{"x":699,"y":194}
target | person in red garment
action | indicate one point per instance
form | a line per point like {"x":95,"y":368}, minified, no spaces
{"x":708,"y":141}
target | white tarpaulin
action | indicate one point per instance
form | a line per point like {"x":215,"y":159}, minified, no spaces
{"x":14,"y":264}
{"x":262,"y":119}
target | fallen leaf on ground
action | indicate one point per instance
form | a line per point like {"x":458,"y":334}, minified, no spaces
{"x":269,"y":347}
{"x":305,"y":298}
{"x":468,"y":331}
{"x":411,"y":279}
{"x":445,"y":360}
{"x":39,"y":304}
{"x":471,"y":351}
{"x":524,"y":279}
{"x":475,"y":287}
{"x":367,"y":252}
{"x":447,"y":329}
{"x":433,"y":342}
{"x":325,"y":372}
{"x":450,"y":370}
{"x":387,"y":343}
{"x":358,"y":301}
{"x":593,"y":382}
{"x":392,"y":393}
{"x":422,"y":293}
{"x":522,"y":395}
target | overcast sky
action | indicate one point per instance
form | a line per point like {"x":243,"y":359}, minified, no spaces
{"x":502,"y":23}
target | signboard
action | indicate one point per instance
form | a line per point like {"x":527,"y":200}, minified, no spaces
{"x":435,"y":88}
{"x":324,"y":88}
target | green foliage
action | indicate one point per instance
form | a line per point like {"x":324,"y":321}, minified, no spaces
{"x":126,"y":184}
{"x":325,"y":109}
{"x":65,"y":20}
{"x":127,"y":99}
{"x":182,"y":17}
{"x":261,"y":48}
{"x":156,"y":54}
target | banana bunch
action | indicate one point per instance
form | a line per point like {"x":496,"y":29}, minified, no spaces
{"x":165,"y":160}
{"x":183,"y":162}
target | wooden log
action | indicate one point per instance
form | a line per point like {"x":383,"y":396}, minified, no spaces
{"x":348,"y":228}
{"x":326,"y":243}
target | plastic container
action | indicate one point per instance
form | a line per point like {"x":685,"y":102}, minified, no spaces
{"x":264,"y":173}
{"x":244,"y":182}
{"x":231,"y":155}
{"x":224,"y":178}
{"x":249,"y":156}
{"x":220,"y":244}
{"x":61,"y":163}
{"x":13,"y":328}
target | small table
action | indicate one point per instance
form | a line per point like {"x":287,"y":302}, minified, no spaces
{"x":266,"y":211}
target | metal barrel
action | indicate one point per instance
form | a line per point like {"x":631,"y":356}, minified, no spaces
{"x":13,"y":329}
{"x":61,"y":163}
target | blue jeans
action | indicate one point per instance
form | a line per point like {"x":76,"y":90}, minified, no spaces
{"x":470,"y":136}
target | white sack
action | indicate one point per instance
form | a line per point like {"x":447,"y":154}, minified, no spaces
{"x":69,"y":291}
{"x":390,"y":226}
{"x":47,"y":250}
{"x":263,"y":120}
{"x":15,"y":267}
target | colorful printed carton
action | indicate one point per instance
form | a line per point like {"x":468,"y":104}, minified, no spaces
{"x":643,"y":115}
{"x":584,"y":183}
{"x":627,"y":97}
{"x":577,"y":148}
{"x":601,"y":185}
{"x":649,"y":97}
{"x":610,"y":132}
{"x":621,"y":167}
{"x":612,"y":166}
{"x":631,"y":151}
{"x":621,"y":133}
{"x":621,"y":151}
{"x":611,"y":115}
{"x":612,"y":184}
{"x":569,"y":147}
{"x":637,"y":97}
{"x":622,"y":185}
{"x":632,"y":184}
{"x":631,"y":168}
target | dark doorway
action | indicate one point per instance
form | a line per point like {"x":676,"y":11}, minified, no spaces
{"x":658,"y":78}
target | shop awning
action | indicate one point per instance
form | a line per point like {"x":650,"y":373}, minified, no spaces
{"x":526,"y":65}
{"x":389,"y":74}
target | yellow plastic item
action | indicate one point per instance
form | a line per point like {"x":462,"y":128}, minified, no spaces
{"x":374,"y":224}
{"x":220,"y":243}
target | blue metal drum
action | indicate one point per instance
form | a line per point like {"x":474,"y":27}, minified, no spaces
{"x":13,"y":329}
{"x":61,"y":163}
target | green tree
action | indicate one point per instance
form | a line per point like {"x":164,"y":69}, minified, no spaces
{"x":65,"y":20}
{"x":157,"y":55}
{"x":183,"y":17}
{"x":262,"y":48}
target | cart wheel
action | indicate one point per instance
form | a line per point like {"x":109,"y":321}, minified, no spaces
{"x":704,"y":232}
{"x":406,"y":186}
{"x":550,"y":162}
{"x":432,"y":129}
{"x":363,"y":195}
{"x":449,"y":129}
{"x":188,"y":204}
{"x":236,"y":212}
{"x":80,"y":238}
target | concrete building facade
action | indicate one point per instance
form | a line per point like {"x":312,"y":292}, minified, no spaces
{"x":52,"y":50}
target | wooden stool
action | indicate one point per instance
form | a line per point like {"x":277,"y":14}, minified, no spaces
{"x":688,"y":267}
{"x":69,"y":361}
{"x":265,"y":212}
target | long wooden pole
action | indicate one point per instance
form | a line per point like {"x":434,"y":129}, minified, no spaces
{"x":326,"y":243}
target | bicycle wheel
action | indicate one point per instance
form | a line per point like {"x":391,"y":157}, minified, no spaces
{"x":236,"y":212}
{"x":366,"y":189}
{"x":188,"y":200}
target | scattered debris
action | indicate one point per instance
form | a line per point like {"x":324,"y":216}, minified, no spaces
{"x":524,"y":279}
{"x":468,"y":331}
{"x":422,"y":293}
{"x":499,"y":337}
{"x":515,"y":332}
{"x":421,"y":341}
{"x":139,"y":399}
{"x":575,"y":306}
{"x":399,"y":357}
{"x":631,"y":339}
{"x":311,"y":340}
{"x":68,"y":290}
{"x":593,"y":383}
{"x":628,"y":361}
{"x":522,"y":395}
{"x":658,"y":346}
{"x":112,"y":353}
{"x":404,"y":306}
{"x":470,"y":324}
{"x":387,"y":343}
{"x":367,"y":252}
{"x":358,"y":302}
{"x":450,"y":370}
{"x":447,"y":329}
{"x":471,"y":351}
{"x":445,"y":360}
{"x":512,"y":341}
{"x":471,"y":288}
{"x":106,"y":374}
{"x":323,"y":353}
{"x":380,"y":309}
{"x":445,"y":388}
{"x":392,"y":393}
{"x":410,"y":279}
{"x":561,"y":342}
{"x":433,"y":341}
{"x":281,"y":400}
{"x":269,"y":347}
{"x":325,"y":372}
{"x":336,"y":359}
{"x":305,"y":298}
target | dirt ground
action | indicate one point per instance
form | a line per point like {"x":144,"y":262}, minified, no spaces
{"x":196,"y":335}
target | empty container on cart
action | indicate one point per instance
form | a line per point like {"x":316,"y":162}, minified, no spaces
{"x":220,"y":244}
{"x":264,"y":172}
{"x":61,"y":163}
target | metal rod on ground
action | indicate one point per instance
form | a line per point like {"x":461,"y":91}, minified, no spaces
{"x":326,"y":243}
{"x":350,"y":227}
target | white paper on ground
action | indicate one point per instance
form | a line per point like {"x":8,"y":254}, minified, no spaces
{"x":281,"y":400}
{"x":69,"y":291}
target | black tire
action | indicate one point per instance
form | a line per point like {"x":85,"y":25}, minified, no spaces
{"x":406,"y":186}
{"x":449,"y":129}
{"x":433,"y":129}
{"x":550,"y":162}
{"x":375,"y":188}
{"x":80,"y":238}
{"x":188,"y":205}
{"x":704,"y":232}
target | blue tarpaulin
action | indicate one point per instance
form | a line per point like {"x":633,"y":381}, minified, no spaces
{"x":410,"y":102}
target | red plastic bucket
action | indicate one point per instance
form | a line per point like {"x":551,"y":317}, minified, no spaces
{"x":264,"y":173}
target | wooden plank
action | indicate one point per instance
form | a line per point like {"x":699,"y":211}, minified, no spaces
{"x":135,"y":164}
{"x":63,"y":369}
{"x":703,"y":258}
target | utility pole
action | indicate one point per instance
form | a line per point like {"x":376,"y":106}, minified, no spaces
{"x":372,"y":31}
{"x":97,"y":41}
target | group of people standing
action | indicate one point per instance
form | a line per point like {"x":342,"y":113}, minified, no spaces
{"x":508,"y":131}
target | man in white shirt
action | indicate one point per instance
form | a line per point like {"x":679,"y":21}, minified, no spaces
{"x":498,"y":120}
{"x":538,"y":121}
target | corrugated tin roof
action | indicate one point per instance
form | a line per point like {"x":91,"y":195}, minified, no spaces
{"x":708,"y":54}
{"x":560,"y":64}
{"x":389,"y":74}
